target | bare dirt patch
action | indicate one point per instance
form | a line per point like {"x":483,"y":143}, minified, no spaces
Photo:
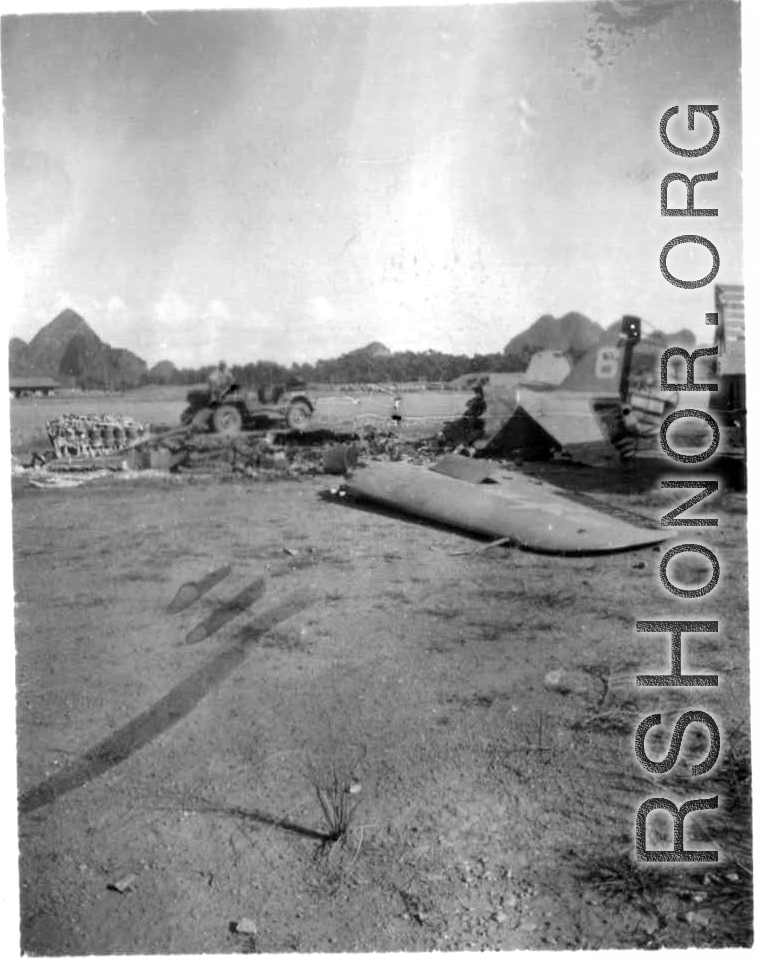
{"x":490,"y":811}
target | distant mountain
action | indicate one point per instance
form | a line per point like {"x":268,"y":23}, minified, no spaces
{"x":573,"y":333}
{"x":47,"y":348}
{"x":372,"y":351}
{"x":127,"y":369}
{"x":93,"y":364}
{"x":163,"y":372}
{"x":68,"y":349}
{"x":684,"y":338}
{"x":84,"y":361}
{"x":20,"y":361}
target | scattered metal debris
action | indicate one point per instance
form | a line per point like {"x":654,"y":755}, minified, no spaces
{"x":261,"y":455}
{"x":57,"y":480}
{"x":340,"y":459}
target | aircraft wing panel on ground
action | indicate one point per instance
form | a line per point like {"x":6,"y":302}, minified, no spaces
{"x":529,"y":513}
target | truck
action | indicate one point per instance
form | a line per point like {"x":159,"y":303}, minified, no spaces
{"x":730,"y":400}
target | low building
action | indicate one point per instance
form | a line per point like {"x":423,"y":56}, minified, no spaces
{"x":32,"y":386}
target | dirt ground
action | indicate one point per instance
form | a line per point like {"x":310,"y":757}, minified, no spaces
{"x":484,"y":808}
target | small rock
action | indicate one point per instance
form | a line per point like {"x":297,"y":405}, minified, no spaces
{"x":528,"y":926}
{"x":732,"y":876}
{"x":246,"y":926}
{"x":500,"y":917}
{"x":291,"y":552}
{"x":571,"y":680}
{"x":696,"y":919}
{"x":123,"y":884}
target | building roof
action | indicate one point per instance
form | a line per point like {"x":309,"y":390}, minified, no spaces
{"x":33,"y":382}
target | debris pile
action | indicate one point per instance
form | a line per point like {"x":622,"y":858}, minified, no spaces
{"x":265,"y":458}
{"x":386,"y":445}
{"x":280,"y":455}
{"x":84,"y":443}
{"x":469,"y":429}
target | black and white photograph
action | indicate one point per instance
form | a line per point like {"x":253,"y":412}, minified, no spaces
{"x":377,"y":563}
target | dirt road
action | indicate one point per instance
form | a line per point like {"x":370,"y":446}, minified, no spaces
{"x":493,"y":812}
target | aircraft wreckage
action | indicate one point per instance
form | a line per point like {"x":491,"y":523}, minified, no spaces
{"x":592,"y":415}
{"x":486,"y":499}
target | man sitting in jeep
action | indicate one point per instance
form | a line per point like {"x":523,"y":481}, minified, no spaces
{"x":219,"y":382}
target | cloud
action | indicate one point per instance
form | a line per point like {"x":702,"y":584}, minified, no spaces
{"x":171,"y":310}
{"x":320,"y":309}
{"x":116,"y":305}
{"x":192,"y":336}
{"x":64,"y":300}
{"x":218,"y":310}
{"x":111,"y":321}
{"x":180,"y":332}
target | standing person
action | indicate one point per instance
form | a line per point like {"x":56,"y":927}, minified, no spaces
{"x":219,"y":381}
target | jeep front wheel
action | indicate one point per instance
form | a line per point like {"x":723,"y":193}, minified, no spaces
{"x":227,"y":419}
{"x":298,"y":414}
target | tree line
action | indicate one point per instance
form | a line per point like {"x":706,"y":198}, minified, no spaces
{"x":359,"y":367}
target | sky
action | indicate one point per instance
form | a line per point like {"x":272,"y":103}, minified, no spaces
{"x":293,"y":184}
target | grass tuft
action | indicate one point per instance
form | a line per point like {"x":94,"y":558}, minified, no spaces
{"x":338,"y":793}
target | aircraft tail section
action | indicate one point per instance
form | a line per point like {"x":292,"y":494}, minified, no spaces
{"x":597,"y":372}
{"x":604,"y":369}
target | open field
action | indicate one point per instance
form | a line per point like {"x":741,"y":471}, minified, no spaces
{"x":494,"y":812}
{"x":424,"y":412}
